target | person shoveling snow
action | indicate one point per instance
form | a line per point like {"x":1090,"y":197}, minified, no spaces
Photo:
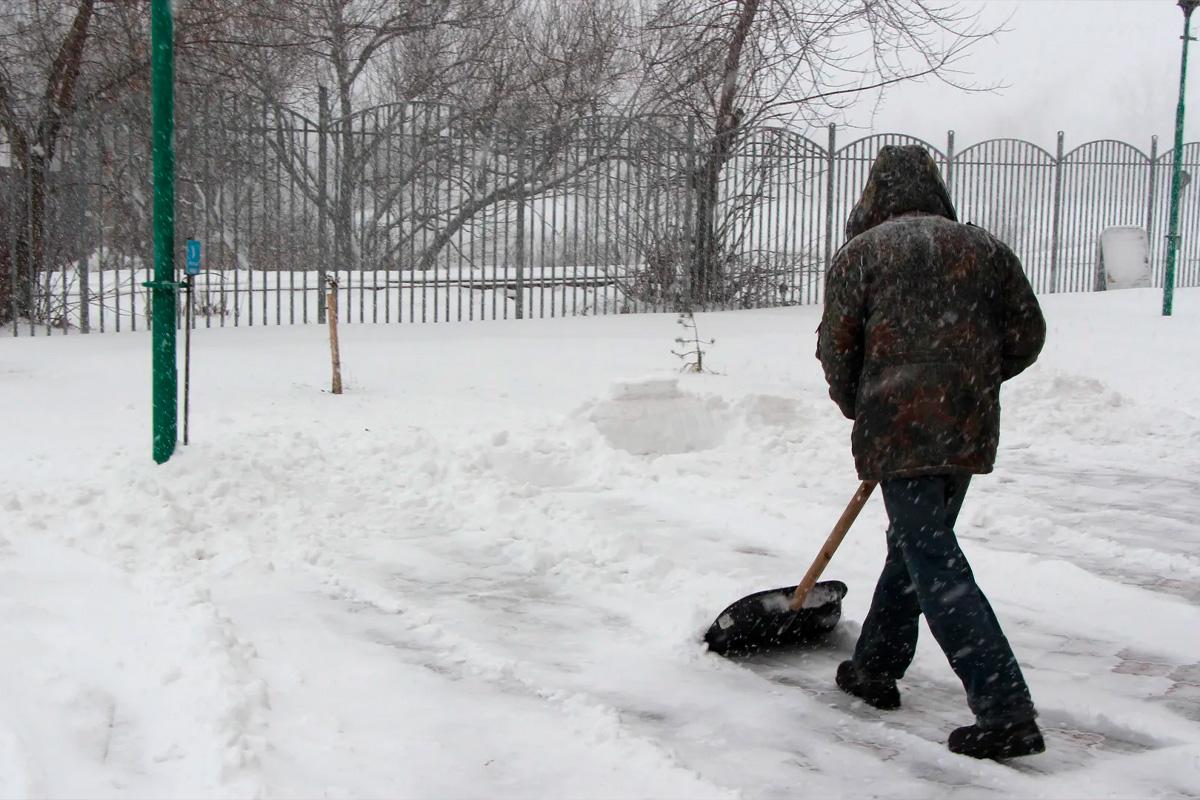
{"x":924,"y":319}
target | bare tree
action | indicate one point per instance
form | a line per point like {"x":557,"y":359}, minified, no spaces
{"x":445,"y":112}
{"x":344,"y":44}
{"x":529,"y":98}
{"x":471,"y":103}
{"x":60,"y":62}
{"x":38,"y":94}
{"x":733,"y":65}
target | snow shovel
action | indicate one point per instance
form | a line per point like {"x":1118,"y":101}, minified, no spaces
{"x":792,"y":615}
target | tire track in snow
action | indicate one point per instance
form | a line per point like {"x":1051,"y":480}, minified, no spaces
{"x":555,"y":506}
{"x":1093,"y":525}
{"x":749,"y":494}
{"x":418,"y":631}
{"x":435,"y":490}
{"x":590,"y":568}
{"x":529,"y":545}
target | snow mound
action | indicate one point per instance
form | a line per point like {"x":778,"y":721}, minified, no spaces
{"x":654,"y":417}
{"x":542,"y":463}
{"x":771,"y":411}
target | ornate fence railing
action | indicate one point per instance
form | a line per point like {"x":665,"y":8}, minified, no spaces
{"x":423,"y":213}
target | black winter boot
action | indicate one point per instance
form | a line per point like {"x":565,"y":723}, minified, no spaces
{"x":880,"y":693}
{"x":1007,"y":741}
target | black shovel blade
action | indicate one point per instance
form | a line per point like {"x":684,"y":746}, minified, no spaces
{"x":763,"y":620}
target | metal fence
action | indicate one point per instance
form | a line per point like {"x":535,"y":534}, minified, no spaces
{"x":424,"y":214}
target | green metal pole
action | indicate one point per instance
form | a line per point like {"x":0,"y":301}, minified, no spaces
{"x":163,"y":287}
{"x":1188,"y":7}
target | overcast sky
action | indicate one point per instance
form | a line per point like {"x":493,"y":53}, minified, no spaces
{"x":1094,"y":69}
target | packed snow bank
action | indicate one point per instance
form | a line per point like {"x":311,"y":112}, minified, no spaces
{"x":484,"y":570}
{"x":653,"y":417}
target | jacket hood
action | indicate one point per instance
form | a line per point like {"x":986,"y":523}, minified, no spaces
{"x":903,"y":179}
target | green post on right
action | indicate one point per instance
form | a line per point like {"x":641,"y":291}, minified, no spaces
{"x":1188,"y":7}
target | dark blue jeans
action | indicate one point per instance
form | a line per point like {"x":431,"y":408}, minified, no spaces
{"x":927,"y":573}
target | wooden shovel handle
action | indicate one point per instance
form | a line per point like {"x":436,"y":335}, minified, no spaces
{"x":831,"y":544}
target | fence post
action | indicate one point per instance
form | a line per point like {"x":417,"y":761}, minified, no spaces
{"x":29,"y":286}
{"x":322,"y":198}
{"x":85,"y":297}
{"x":689,"y":221}
{"x":1056,"y":224}
{"x":829,"y":167}
{"x":12,"y":235}
{"x":520,"y":244}
{"x":950,"y":164}
{"x":1150,"y":200}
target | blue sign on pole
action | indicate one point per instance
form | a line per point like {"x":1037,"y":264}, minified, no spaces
{"x":193,"y":256}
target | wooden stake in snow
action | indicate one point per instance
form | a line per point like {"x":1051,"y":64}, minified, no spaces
{"x":331,"y":305}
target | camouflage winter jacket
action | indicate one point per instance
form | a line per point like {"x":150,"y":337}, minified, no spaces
{"x":924,"y":318}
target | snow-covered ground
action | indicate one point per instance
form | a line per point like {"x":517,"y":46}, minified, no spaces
{"x":484,"y":570}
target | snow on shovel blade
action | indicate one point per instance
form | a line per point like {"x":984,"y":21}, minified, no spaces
{"x":763,"y":620}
